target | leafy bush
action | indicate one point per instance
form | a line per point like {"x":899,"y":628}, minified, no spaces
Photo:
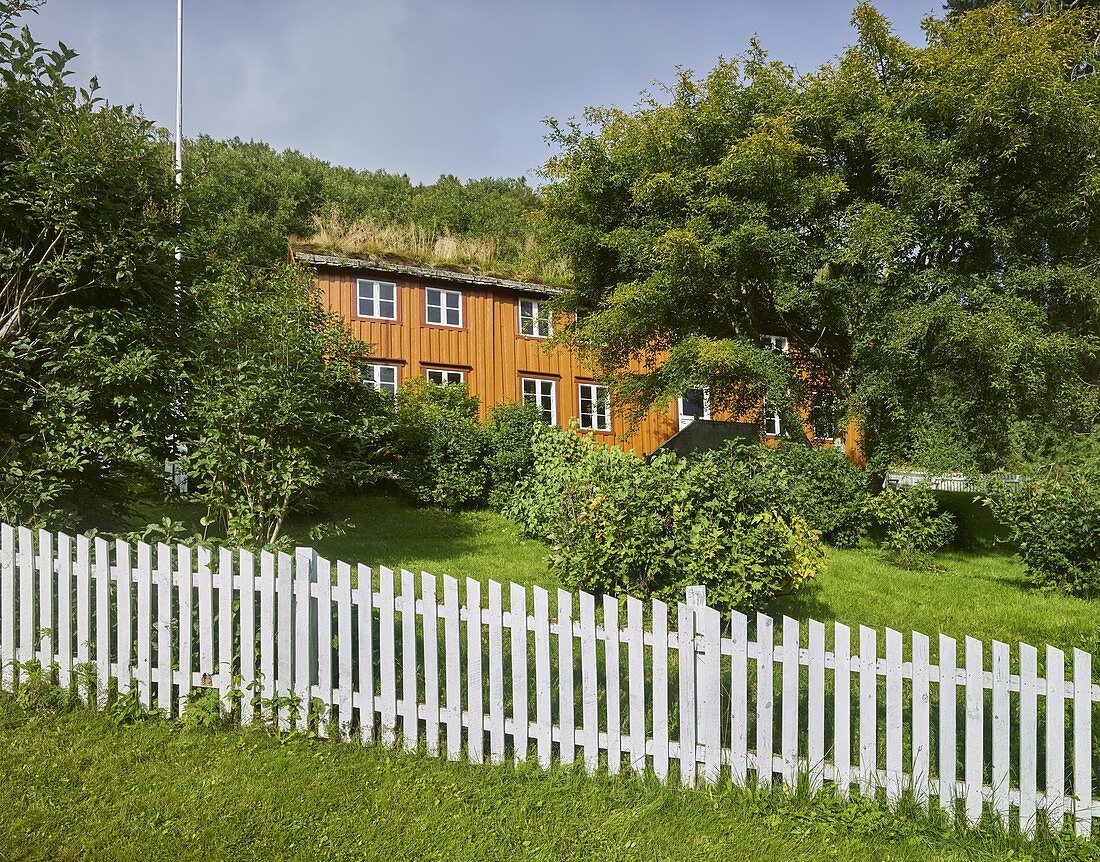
{"x":912,"y":525}
{"x":439,"y":445}
{"x":822,"y":486}
{"x":1055,"y":522}
{"x":618,"y":524}
{"x":508,"y":438}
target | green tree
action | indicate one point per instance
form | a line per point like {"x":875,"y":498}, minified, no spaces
{"x":276,"y":414}
{"x":87,"y":228}
{"x":921,"y":222}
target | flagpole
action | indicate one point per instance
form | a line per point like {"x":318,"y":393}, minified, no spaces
{"x":179,"y":97}
{"x":177,"y":478}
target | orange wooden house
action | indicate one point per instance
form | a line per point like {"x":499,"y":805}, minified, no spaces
{"x":490,"y":333}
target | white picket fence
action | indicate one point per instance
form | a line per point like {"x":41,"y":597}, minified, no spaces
{"x":403,"y":659}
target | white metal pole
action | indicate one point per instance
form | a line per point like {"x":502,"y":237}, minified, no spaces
{"x":179,"y":96}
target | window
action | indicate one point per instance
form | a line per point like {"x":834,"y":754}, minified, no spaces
{"x":694,"y":404}
{"x":543,"y":394}
{"x":778,"y":343}
{"x":444,"y":307}
{"x":595,"y":407}
{"x":377,"y":299}
{"x":445,"y":377}
{"x":823,"y":415}
{"x":535,"y":318}
{"x":381,"y":377}
{"x":773,"y":425}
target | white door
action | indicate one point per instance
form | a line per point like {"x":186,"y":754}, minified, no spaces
{"x":694,"y":404}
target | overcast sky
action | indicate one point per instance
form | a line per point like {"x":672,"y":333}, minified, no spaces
{"x":425,"y":87}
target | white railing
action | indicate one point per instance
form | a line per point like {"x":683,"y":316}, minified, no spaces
{"x":683,"y":690}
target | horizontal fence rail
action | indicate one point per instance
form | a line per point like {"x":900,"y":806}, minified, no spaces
{"x":683,"y":691}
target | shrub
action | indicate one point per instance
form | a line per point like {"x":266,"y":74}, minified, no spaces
{"x":439,"y":445}
{"x":912,"y":525}
{"x":1055,"y":522}
{"x":822,"y":486}
{"x":508,"y":439}
{"x":618,"y":524}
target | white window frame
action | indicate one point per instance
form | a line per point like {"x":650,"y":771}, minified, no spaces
{"x":539,"y":394}
{"x":375,"y":298}
{"x":774,"y":417}
{"x":778,"y":343}
{"x":599,"y":417}
{"x":538,"y":318}
{"x":823,"y":401}
{"x":446,"y":376}
{"x":685,"y":418}
{"x":372,"y":377}
{"x":442,"y":307}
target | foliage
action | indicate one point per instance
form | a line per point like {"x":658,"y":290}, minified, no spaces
{"x":276,"y":413}
{"x":438,"y":445}
{"x":821,"y":486}
{"x":86,"y":288}
{"x":1054,"y":520}
{"x":912,"y":525}
{"x":921,"y":222}
{"x":618,"y":524}
{"x":204,"y":710}
{"x":508,"y":438}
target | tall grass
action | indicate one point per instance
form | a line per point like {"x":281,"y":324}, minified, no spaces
{"x":421,"y":245}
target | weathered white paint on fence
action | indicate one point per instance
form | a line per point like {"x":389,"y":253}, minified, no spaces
{"x":368,"y":662}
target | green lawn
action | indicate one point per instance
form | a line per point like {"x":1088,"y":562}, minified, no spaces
{"x":76,"y":786}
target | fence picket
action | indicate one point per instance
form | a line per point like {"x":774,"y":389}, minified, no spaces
{"x":63,"y":647}
{"x":842,"y":707}
{"x":590,"y":729}
{"x":475,"y":706}
{"x":567,"y":746}
{"x":247,"y":633}
{"x":453,"y":667}
{"x":685,"y":662}
{"x":163,"y":674}
{"x":612,"y":683}
{"x":739,"y":699}
{"x":285,"y":680}
{"x":1082,"y":741}
{"x":223,"y":582}
{"x":947,"y":738}
{"x":920,"y":740}
{"x":975,"y":730}
{"x":868,"y":710}
{"x":323,"y":690}
{"x":496,"y":673}
{"x":83,"y":603}
{"x":184,"y":602}
{"x":268,"y":646}
{"x":204,"y":588}
{"x":387,"y":659}
{"x":124,"y":615}
{"x":789,"y":717}
{"x":7,"y":604}
{"x":893,"y":716}
{"x":815,"y":707}
{"x":45,"y":633}
{"x":635,"y":683}
{"x":25,"y":650}
{"x":709,"y":706}
{"x":363,"y":596}
{"x":765,"y":683}
{"x":431,"y":663}
{"x":1000,"y":732}
{"x":143,"y":576}
{"x":544,"y":719}
{"x":1029,"y":728}
{"x":1056,"y":736}
{"x":517,"y":608}
{"x":303,"y":634}
{"x":410,"y":723}
{"x":660,"y":689}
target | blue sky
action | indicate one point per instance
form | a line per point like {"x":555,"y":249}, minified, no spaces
{"x":425,"y":87}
